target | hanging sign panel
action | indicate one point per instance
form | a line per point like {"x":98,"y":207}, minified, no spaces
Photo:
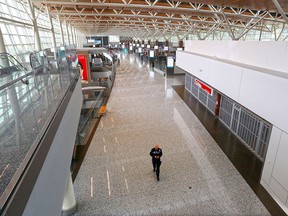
{"x":203,"y":86}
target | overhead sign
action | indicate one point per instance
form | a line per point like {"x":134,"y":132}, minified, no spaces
{"x":203,"y":86}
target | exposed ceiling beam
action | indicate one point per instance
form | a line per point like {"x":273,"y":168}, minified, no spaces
{"x":279,"y":8}
{"x":177,"y":10}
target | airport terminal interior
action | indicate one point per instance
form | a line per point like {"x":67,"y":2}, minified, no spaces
{"x":196,"y":178}
{"x":90,"y":90}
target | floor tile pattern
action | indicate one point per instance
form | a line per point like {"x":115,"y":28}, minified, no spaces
{"x":196,"y":177}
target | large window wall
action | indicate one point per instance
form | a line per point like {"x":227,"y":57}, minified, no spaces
{"x":18,"y":32}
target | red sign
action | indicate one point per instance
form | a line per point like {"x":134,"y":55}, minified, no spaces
{"x":83,"y":63}
{"x":203,"y":86}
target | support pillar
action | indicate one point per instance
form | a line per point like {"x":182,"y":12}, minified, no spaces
{"x":73,"y":41}
{"x":69,"y":206}
{"x":76,"y":38}
{"x":52,"y":27}
{"x":61,"y":31}
{"x":67,"y":30}
{"x":35,"y":27}
{"x":3,"y":61}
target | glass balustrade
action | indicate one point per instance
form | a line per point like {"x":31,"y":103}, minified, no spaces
{"x":29,"y":98}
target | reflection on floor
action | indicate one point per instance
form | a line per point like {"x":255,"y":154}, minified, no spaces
{"x":116,"y":176}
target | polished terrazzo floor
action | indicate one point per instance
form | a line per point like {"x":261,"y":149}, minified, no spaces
{"x":196,"y":178}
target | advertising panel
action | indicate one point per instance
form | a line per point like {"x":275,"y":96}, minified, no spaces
{"x":82,"y":59}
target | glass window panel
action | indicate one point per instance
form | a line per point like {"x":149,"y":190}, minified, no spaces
{"x":24,"y":15}
{"x":19,"y":29}
{"x":16,"y":39}
{"x":7,"y":39}
{"x":3,"y":28}
{"x":11,"y":29}
{"x":4,"y":8}
{"x":11,"y":3}
{"x":14,"y":12}
{"x":24,"y":31}
{"x":31,"y":39}
{"x":1,"y":10}
{"x":19,"y":48}
{"x":28,"y":47}
{"x":10,"y":49}
{"x":23,"y":49}
{"x":23,"y":39}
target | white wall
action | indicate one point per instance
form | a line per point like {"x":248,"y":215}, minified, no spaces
{"x":275,"y":175}
{"x":268,"y":54}
{"x":254,"y":74}
{"x":262,"y":93}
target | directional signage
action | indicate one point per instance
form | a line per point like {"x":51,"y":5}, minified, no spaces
{"x":203,"y":86}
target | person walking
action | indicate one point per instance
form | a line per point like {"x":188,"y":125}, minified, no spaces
{"x":156,"y":154}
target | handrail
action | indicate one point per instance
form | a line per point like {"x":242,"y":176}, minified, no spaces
{"x":12,"y":82}
{"x":11,"y":58}
{"x":91,"y":109}
{"x":14,"y":66}
{"x":28,"y":111}
{"x":30,"y":168}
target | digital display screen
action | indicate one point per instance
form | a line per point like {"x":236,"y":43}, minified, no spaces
{"x":98,"y":42}
{"x":165,"y":48}
{"x":151,"y":53}
{"x":155,"y":47}
{"x":139,"y":50}
{"x":170,"y":62}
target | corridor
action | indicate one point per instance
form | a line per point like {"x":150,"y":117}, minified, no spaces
{"x":116,"y":176}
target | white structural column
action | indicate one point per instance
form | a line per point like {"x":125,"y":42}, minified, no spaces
{"x":78,"y":38}
{"x":75,"y":36}
{"x":67,"y":30}
{"x":52,"y":27}
{"x":69,"y":206}
{"x":35,"y":27}
{"x":72,"y":34}
{"x":3,"y":61}
{"x":61,"y":31}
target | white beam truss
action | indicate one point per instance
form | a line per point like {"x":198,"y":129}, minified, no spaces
{"x":129,"y":17}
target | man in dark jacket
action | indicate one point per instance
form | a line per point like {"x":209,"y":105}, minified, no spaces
{"x":156,"y":154}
